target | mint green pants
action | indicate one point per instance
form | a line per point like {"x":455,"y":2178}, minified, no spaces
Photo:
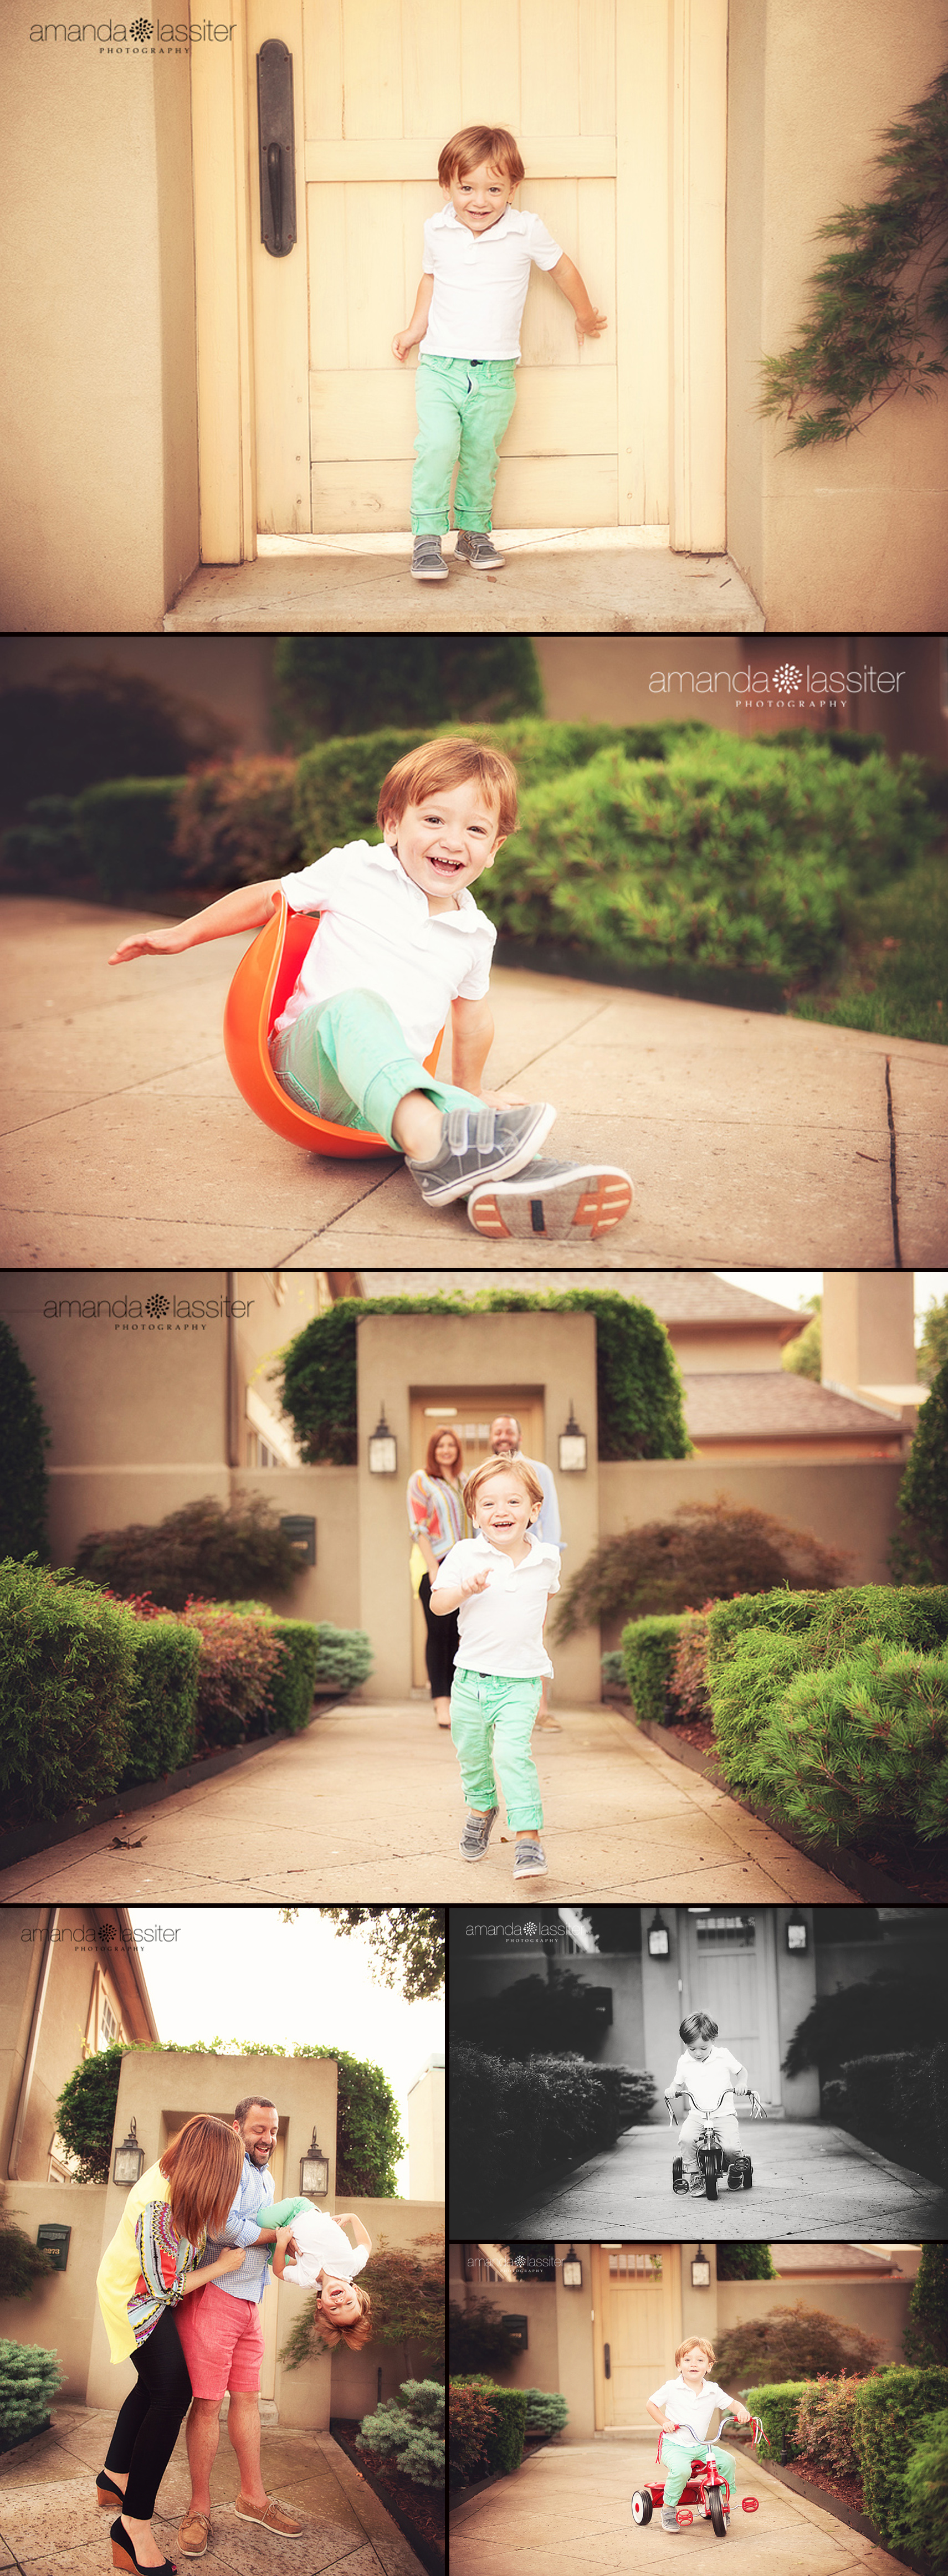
{"x":492,"y":1719}
{"x":463,"y":409}
{"x":347,"y":1060}
{"x":678,"y":2451}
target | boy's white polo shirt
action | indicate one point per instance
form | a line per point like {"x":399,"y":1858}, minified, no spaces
{"x":376,"y":933}
{"x":501,"y":1629}
{"x":689,"y":2405}
{"x":480,"y":282}
{"x":707,"y":2078}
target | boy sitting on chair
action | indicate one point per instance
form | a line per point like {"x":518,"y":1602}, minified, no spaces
{"x":401,"y":939}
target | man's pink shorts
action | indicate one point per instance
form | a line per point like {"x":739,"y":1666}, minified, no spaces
{"x":222,"y":2341}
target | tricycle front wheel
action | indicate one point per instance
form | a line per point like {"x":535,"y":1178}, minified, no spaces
{"x":716,"y":2511}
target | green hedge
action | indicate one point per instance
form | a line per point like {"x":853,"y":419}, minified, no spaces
{"x":338,"y":782}
{"x":504,"y":2440}
{"x":516,"y":2121}
{"x":800,"y":1684}
{"x":898,"y":2102}
{"x":67,"y":1668}
{"x":126,"y":830}
{"x":293,"y":1683}
{"x":648,"y":1654}
{"x":925,"y":2505}
{"x":889,"y":2418}
{"x":162,"y":1705}
{"x":24,"y":1437}
{"x":778,"y":2407}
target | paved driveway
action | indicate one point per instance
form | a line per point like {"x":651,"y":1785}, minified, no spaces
{"x":567,"y":2509}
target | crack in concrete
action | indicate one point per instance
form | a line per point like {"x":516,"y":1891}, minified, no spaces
{"x":893,"y":1175}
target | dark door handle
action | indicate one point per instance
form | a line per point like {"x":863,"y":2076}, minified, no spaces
{"x":608,"y":2360}
{"x":277,"y":153}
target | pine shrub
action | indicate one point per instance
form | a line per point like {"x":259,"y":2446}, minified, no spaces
{"x":889,"y":2416}
{"x":235,"y":823}
{"x":409,"y":2431}
{"x":778,"y":2405}
{"x":858,"y":1744}
{"x":919,"y":1551}
{"x":769,"y":1652}
{"x":220,"y":1553}
{"x":926,"y":2491}
{"x":24,"y":1437}
{"x":469,"y":2422}
{"x":547,"y":2411}
{"x":706,"y":1550}
{"x":825,"y":2429}
{"x":796,"y":2343}
{"x":67,"y":1665}
{"x":29,"y":2379}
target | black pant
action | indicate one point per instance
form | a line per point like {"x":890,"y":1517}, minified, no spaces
{"x":151,"y":2418}
{"x":442,"y":1643}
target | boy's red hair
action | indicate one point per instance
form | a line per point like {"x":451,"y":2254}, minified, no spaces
{"x":447,"y":763}
{"x":519,"y":1467}
{"x":477,"y":143}
{"x":695,"y":2343}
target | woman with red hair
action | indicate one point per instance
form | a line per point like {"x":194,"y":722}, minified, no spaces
{"x":437,"y":1519}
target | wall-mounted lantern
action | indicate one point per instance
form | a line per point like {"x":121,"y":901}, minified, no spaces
{"x":797,"y":1934}
{"x":572,"y":1447}
{"x":129,"y":2159}
{"x":383,"y":1449}
{"x":701,"y":2271}
{"x":572,"y":2270}
{"x":659,"y":1938}
{"x":314,"y":2172}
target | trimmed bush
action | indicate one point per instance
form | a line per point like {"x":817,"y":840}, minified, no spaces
{"x":37,"y":854}
{"x":294,"y":1678}
{"x":857,"y":1745}
{"x":238,"y":1658}
{"x":409,"y":2431}
{"x":919,"y":1551}
{"x":126,"y":832}
{"x":706,"y":1551}
{"x":201,"y":1549}
{"x":778,"y":2405}
{"x":24,"y":1436}
{"x":469,"y":2421}
{"x":503,"y":2445}
{"x":648,"y":1654}
{"x":345,"y":1656}
{"x":825,"y":2432}
{"x":758,"y":1648}
{"x":796,"y":2342}
{"x":235,"y":823}
{"x":888,"y":2420}
{"x":517,"y":2122}
{"x":835,"y":1620}
{"x":29,"y":2379}
{"x":899,"y":2104}
{"x":343,"y":684}
{"x":926,"y":2491}
{"x":547,"y":2411}
{"x":163,"y":1703}
{"x":338,"y":781}
{"x":67,"y":1665}
{"x":926,"y":2334}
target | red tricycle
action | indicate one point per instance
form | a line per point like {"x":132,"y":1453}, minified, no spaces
{"x":707,"y":2494}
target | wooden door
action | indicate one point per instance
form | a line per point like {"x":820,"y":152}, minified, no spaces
{"x":637,"y":2305}
{"x":730,"y":1972}
{"x":469,"y":1411}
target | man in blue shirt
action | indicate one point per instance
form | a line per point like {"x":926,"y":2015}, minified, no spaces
{"x":222,"y":2343}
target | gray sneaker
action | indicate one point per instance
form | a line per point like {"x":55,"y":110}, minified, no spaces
{"x":669,"y":2522}
{"x":555,"y":1200}
{"x":476,"y":1835}
{"x":476,"y":547}
{"x":427,"y":561}
{"x":529,"y":1861}
{"x":479,"y":1145}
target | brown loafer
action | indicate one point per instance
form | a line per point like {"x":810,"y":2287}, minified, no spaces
{"x":194,"y":2533}
{"x":270,"y":2516}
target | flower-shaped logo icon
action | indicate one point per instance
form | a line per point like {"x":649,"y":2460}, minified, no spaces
{"x":157,"y":1305}
{"x":140,"y":28}
{"x":786,"y":676}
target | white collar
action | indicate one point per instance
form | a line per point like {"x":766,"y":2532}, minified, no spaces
{"x":466,"y":916}
{"x":511,"y":221}
{"x":541,"y":1547}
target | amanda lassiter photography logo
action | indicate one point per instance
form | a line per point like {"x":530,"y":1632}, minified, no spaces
{"x":787,"y":676}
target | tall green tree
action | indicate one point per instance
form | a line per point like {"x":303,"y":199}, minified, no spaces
{"x":406,"y":1942}
{"x":933,"y":1346}
{"x":926,"y":2334}
{"x":804,"y":1356}
{"x":24,"y":1438}
{"x":919,"y":1550}
{"x":347,"y":684}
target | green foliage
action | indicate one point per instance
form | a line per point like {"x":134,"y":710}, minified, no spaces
{"x":368,"y":2138}
{"x":882,"y":2012}
{"x":239,"y":1658}
{"x":29,"y":2379}
{"x":85,"y":2113}
{"x":293,"y":1680}
{"x":406,"y":2285}
{"x":926,"y":2491}
{"x":689,"y":1673}
{"x":533,"y":2017}
{"x":879,"y":306}
{"x":345,"y":1656}
{"x":826,"y":2426}
{"x":898,"y":2103}
{"x":888,"y":2417}
{"x":163,"y":1701}
{"x":126,"y":833}
{"x":761,"y":1643}
{"x":469,"y":2421}
{"x":794,"y":2343}
{"x":22,"y":2263}
{"x":894,"y":978}
{"x":24,"y":1435}
{"x":83,"y":724}
{"x":351,"y":685}
{"x":410,"y":2432}
{"x":926,"y":2334}
{"x":235,"y":823}
{"x":855,"y":1746}
{"x":804,"y":1356}
{"x":478,"y":2337}
{"x":648,"y":1654}
{"x":506,"y":2432}
{"x":707,"y":1551}
{"x":516,"y":2120}
{"x":547,"y":2411}
{"x":406,"y":1943}
{"x":919,"y":1552}
{"x":746,"y":2263}
{"x":38,"y":855}
{"x":933,"y":1347}
{"x":639,"y":1387}
{"x":203,"y":1548}
{"x":778,"y":2405}
{"x":67,"y":1662}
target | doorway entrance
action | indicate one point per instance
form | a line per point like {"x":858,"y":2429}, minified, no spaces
{"x":730,"y":1971}
{"x":637,"y":2302}
{"x":469,"y":1411}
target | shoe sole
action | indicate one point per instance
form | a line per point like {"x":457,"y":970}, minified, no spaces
{"x":270,"y":2527}
{"x":519,"y":1155}
{"x":532,"y":1873}
{"x":478,"y":1855}
{"x":592,"y":1200}
{"x":429,"y":576}
{"x":497,"y":565}
{"x":194,"y":2553}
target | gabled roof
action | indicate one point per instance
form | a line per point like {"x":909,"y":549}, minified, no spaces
{"x":772,"y":1404}
{"x":831,"y":2258}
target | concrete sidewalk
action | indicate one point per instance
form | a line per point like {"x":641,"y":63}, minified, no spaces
{"x":52,"y":2525}
{"x":751,"y":1139}
{"x":568,"y":2509}
{"x":368,"y":1801}
{"x":573,"y":581}
{"x":810,"y":2180}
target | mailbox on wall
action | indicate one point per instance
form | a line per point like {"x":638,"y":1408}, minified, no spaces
{"x":517,"y":2330}
{"x":301,"y":1532}
{"x":55,"y":2241}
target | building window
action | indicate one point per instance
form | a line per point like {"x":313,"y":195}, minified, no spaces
{"x":108,"y":2026}
{"x":726,"y":1932}
{"x":259,"y":1454}
{"x":635,"y":2263}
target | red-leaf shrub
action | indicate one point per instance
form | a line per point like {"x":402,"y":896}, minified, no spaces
{"x":239,"y":1657}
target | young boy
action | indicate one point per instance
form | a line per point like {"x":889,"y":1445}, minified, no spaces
{"x":400,"y":941}
{"x":467,"y":319}
{"x":499,"y":1584}
{"x":706,"y":2073}
{"x":690,"y":2399}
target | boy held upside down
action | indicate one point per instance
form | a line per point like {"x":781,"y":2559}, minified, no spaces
{"x":401,"y":941}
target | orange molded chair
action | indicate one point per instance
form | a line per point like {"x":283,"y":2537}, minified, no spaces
{"x":260,"y":990}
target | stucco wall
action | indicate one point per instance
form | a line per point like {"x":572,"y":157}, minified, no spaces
{"x":878,"y":2308}
{"x":854,"y":535}
{"x":58,"y":2314}
{"x":99,"y":435}
{"x":847,"y":1504}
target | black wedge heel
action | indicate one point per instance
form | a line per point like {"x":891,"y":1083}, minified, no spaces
{"x":123,"y":2555}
